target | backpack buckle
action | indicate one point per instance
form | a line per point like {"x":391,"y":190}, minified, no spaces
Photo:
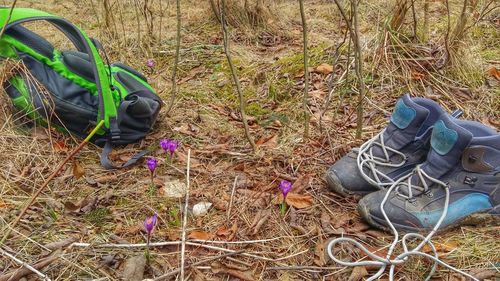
{"x":114,"y":130}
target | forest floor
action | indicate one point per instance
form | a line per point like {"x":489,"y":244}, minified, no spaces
{"x":110,"y":206}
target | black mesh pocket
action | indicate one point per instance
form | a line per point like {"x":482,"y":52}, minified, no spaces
{"x":136,"y":115}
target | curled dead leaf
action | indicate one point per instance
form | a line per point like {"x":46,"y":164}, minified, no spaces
{"x":324,"y":69}
{"x":494,"y":72}
{"x":78,"y":170}
{"x":218,"y":267}
{"x":358,"y":273}
{"x":200,"y":235}
{"x":296,"y":200}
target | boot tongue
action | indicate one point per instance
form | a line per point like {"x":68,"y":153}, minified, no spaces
{"x":448,"y":141}
{"x":406,"y":121}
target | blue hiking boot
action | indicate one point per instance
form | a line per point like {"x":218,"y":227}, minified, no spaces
{"x":393,"y":153}
{"x":460,"y":180}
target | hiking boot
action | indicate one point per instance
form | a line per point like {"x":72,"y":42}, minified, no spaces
{"x":391,"y":154}
{"x":465,"y":162}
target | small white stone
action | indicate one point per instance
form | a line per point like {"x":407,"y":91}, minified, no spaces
{"x":201,"y":209}
{"x":175,"y":189}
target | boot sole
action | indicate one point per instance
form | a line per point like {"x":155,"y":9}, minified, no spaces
{"x":475,"y":219}
{"x":335,"y":185}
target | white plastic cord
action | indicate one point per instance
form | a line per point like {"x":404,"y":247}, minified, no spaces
{"x":403,"y":257}
{"x":366,"y":158}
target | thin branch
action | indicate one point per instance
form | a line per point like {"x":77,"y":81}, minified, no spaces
{"x":177,"y":57}
{"x":173,"y":243}
{"x":426,"y":20}
{"x":18,"y":274}
{"x":236,"y":80}
{"x":359,"y":70}
{"x":415,"y":21}
{"x":184,"y":223}
{"x":232,"y":197}
{"x":8,"y":19}
{"x":307,"y":115}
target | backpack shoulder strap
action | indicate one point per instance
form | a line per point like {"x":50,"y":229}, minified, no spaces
{"x":107,"y":106}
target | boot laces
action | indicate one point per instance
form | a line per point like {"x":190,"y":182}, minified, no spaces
{"x":406,"y":188}
{"x":388,"y":261}
{"x":365,"y":158}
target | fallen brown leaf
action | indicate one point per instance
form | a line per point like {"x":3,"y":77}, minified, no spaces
{"x":319,"y":251}
{"x":217,"y":267}
{"x":324,"y":69}
{"x":200,"y":235}
{"x":269,"y":141}
{"x":301,"y":183}
{"x":358,"y":273}
{"x":441,"y":247}
{"x":494,"y":72}
{"x":78,"y":170}
{"x":259,"y":221}
{"x":296,"y":200}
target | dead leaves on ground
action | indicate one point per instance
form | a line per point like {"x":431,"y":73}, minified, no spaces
{"x":240,"y":273}
{"x":200,"y":235}
{"x":298,"y":201}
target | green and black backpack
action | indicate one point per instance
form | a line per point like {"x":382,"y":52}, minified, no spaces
{"x":79,"y":89}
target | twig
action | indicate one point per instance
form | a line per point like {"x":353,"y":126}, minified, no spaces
{"x":359,"y":70}
{"x":415,"y":21}
{"x":184,"y":223}
{"x":236,"y":80}
{"x":174,"y":272}
{"x":8,"y":20}
{"x":232,"y":197}
{"x":49,"y":179}
{"x":426,"y":20}
{"x":299,"y":267}
{"x":307,"y":116}
{"x":174,"y":243}
{"x":27,"y":269}
{"x":177,"y":57}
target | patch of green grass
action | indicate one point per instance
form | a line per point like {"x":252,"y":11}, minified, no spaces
{"x":294,"y":64}
{"x":98,"y":216}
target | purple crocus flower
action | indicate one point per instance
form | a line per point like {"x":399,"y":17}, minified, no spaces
{"x":285,"y":187}
{"x":169,"y":145}
{"x":149,"y":225}
{"x":150,"y":63}
{"x":152,"y":163}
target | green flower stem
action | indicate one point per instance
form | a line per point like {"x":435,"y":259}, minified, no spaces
{"x":283,"y":207}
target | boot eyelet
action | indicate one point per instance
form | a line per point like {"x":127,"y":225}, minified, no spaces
{"x":429,"y":194}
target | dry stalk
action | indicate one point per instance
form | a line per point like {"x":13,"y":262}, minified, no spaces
{"x":236,"y":80}
{"x":353,"y":26}
{"x":359,"y":69}
{"x":26,"y":268}
{"x":307,"y":115}
{"x":8,"y":18}
{"x":177,"y":57}
{"x":184,"y":221}
{"x":426,"y":21}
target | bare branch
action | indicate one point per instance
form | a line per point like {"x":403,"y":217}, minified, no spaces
{"x":236,"y":80}
{"x":307,"y":116}
{"x":177,"y":57}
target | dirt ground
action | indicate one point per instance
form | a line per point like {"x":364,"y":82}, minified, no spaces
{"x":110,"y":206}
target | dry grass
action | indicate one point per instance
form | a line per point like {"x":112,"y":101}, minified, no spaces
{"x":114,"y":204}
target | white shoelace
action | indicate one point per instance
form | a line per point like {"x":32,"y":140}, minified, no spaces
{"x":365,"y":158}
{"x":403,"y":257}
